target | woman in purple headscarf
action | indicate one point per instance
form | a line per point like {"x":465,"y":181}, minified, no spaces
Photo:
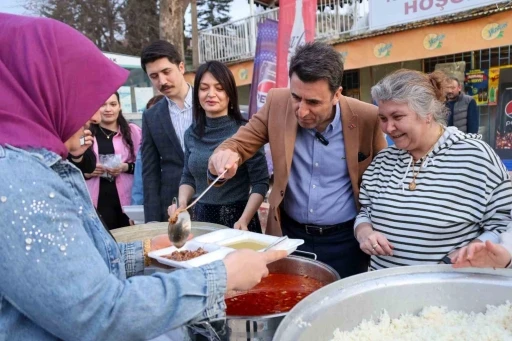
{"x":62,"y":274}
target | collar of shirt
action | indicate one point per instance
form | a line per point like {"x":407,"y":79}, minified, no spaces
{"x":333,"y":126}
{"x":187,"y":102}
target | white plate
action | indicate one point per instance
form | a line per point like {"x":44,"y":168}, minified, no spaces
{"x":215,"y":252}
{"x":218,"y":236}
{"x":290,"y":245}
{"x":135,"y":213}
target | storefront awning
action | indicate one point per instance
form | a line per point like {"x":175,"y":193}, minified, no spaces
{"x":427,"y":42}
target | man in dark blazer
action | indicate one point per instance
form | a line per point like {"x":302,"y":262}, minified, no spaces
{"x":163,"y":126}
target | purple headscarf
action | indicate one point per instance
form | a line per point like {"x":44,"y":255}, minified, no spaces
{"x":52,"y":80}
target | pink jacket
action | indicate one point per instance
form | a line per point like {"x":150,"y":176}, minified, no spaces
{"x":124,"y":181}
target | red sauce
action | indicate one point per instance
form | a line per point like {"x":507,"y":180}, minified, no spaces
{"x":277,"y":293}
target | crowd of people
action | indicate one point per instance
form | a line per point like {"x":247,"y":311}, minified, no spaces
{"x":70,"y":161}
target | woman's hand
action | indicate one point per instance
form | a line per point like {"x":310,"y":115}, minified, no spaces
{"x":88,"y":141}
{"x":372,"y":242}
{"x":241,"y":224}
{"x":482,"y":255}
{"x":97,"y":172}
{"x":123,"y":168}
{"x":171,"y":209}
{"x":246,"y":268}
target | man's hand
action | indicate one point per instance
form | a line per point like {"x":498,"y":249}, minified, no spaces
{"x":222,"y":160}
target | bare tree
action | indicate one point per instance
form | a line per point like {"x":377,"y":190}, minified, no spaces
{"x":99,"y":20}
{"x":141,"y":24}
{"x":172,"y":13}
{"x":123,"y":26}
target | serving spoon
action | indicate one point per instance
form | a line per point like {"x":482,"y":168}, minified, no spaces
{"x":180,"y":223}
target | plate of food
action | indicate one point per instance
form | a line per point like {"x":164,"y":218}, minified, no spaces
{"x":192,"y":254}
{"x":237,"y":239}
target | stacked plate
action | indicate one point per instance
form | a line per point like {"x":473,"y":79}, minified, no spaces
{"x":220,"y":243}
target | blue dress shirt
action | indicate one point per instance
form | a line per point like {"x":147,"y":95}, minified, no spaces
{"x":319,"y":190}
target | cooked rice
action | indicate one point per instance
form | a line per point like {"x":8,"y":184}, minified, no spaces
{"x":435,"y":323}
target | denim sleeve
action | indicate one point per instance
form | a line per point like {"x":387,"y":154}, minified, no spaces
{"x":53,"y":273}
{"x":133,"y":256}
{"x":473,"y":117}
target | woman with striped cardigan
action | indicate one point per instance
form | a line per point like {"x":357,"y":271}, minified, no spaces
{"x":437,"y":189}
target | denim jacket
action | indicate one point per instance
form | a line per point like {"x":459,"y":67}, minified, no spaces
{"x":62,"y":276}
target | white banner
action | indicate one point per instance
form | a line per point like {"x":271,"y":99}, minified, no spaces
{"x":125,"y":96}
{"x":142,"y":96}
{"x":128,"y":62}
{"x":386,"y":13}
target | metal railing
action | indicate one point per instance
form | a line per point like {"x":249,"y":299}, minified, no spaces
{"x":236,"y":40}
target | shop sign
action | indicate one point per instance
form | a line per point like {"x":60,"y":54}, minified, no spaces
{"x":387,"y":13}
{"x":243,"y":74}
{"x":382,"y":50}
{"x":508,"y":109}
{"x":493,"y":31}
{"x":128,"y":62}
{"x":494,"y":82}
{"x":433,"y":41}
{"x":476,"y":85}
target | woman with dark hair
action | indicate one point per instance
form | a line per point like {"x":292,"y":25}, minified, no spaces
{"x":110,"y":188}
{"x":216,"y":118}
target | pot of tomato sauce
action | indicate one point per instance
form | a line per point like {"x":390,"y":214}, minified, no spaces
{"x":256,"y":314}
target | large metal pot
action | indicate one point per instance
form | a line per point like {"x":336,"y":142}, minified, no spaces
{"x":262,"y":328}
{"x":346,"y":303}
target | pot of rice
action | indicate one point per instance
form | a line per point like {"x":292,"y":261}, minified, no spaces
{"x":429,"y":302}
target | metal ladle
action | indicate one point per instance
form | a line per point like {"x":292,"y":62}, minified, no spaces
{"x":180,"y":230}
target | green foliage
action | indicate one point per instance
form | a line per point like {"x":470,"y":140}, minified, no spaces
{"x":212,"y":12}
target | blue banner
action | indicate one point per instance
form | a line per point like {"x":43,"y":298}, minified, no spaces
{"x":264,"y":73}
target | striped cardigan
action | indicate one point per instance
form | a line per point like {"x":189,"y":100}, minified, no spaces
{"x":463,"y":192}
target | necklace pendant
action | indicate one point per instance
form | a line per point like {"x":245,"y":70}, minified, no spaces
{"x":412,"y":186}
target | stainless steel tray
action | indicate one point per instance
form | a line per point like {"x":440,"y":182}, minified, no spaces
{"x":344,"y":304}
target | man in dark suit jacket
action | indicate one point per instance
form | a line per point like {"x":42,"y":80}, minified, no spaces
{"x":163,"y":126}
